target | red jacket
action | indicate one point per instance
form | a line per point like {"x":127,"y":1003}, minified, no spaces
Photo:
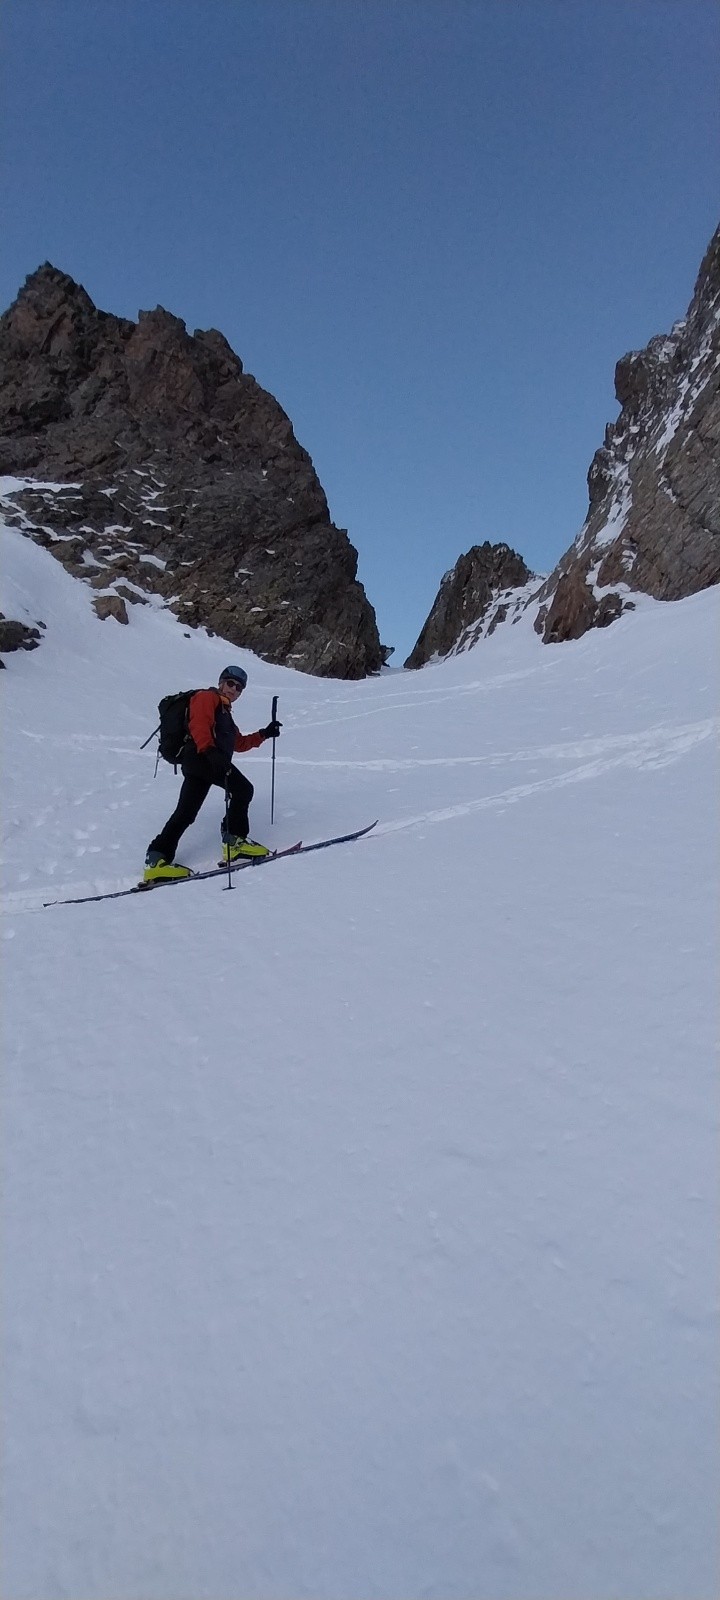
{"x":211,"y":725}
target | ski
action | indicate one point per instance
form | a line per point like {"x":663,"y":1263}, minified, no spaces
{"x":341,"y":838}
{"x":298,"y":849}
{"x":169,"y":883}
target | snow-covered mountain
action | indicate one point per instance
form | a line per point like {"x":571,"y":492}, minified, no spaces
{"x":359,"y":1223}
{"x":653,"y":525}
{"x":653,"y":522}
{"x":156,"y":450}
{"x":474,"y":597}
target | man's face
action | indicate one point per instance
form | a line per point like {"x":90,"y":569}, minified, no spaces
{"x":230,"y":689}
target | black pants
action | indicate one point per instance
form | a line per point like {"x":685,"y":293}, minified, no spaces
{"x":197,"y":782}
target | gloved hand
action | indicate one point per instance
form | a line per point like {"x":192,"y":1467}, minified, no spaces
{"x":272,"y":731}
{"x":218,"y":763}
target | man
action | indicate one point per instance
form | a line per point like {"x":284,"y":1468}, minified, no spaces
{"x":207,"y":759}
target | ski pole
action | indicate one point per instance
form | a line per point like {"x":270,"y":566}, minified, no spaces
{"x":272,"y":786}
{"x":157,"y":758}
{"x":229,"y":884}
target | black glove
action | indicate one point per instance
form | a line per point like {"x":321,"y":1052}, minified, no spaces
{"x":218,"y":763}
{"x":272,"y":731}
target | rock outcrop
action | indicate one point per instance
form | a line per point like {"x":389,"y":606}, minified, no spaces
{"x":154,"y":459}
{"x":17,"y":636}
{"x":653,"y":525}
{"x":474,"y":597}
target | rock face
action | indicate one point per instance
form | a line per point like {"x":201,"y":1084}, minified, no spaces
{"x":653,"y":525}
{"x":155,"y":459}
{"x":473,"y":598}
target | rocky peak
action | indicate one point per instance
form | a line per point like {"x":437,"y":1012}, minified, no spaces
{"x":474,"y":597}
{"x":653,"y":524}
{"x":182,"y":476}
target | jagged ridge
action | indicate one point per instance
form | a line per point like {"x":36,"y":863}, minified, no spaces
{"x":474,"y":597}
{"x":173,"y":470}
{"x":653,"y":525}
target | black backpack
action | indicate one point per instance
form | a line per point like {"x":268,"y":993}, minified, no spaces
{"x":173,"y":711}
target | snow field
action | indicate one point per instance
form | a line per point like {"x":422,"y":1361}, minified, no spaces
{"x":359,"y":1222}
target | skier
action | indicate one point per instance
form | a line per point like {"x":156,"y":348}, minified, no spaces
{"x":207,"y":759}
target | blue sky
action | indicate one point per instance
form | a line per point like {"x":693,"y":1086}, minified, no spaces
{"x":429,"y":227}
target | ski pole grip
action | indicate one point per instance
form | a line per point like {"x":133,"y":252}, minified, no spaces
{"x":274,"y":708}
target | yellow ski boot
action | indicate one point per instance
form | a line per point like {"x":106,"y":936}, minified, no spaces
{"x":158,"y":870}
{"x":236,"y":849}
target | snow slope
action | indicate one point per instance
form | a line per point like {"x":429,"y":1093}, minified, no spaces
{"x":358,"y":1224}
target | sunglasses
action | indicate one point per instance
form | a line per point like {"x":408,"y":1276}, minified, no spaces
{"x":233,"y":684}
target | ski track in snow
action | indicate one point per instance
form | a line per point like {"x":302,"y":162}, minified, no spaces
{"x":652,"y":740}
{"x":651,"y":748}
